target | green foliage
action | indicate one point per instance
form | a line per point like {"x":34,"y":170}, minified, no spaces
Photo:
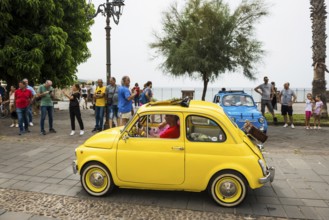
{"x":206,"y":39}
{"x":43,"y":40}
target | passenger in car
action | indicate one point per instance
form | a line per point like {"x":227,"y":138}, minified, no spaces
{"x":243,"y":101}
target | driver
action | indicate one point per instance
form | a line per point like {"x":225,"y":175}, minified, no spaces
{"x":173,"y":130}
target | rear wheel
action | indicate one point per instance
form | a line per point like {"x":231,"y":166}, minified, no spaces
{"x":228,"y":188}
{"x":96,"y":179}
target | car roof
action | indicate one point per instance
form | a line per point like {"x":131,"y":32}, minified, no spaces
{"x":194,"y":106}
{"x":231,"y":92}
{"x":221,"y":94}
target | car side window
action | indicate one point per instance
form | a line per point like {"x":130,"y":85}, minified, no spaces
{"x":156,"y":126}
{"x":138,"y":130}
{"x":203,"y":129}
{"x":217,"y":99}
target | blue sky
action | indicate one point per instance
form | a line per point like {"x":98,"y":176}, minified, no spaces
{"x":285,"y":33}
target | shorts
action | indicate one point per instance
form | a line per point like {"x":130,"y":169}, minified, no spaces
{"x":126,"y":115}
{"x":113,"y":111}
{"x":316,"y":114}
{"x":308,"y":114}
{"x":267,"y":103}
{"x":84,"y":95}
{"x":285,"y":109}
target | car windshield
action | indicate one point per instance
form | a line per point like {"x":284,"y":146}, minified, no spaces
{"x":238,"y":100}
{"x":131,"y":118}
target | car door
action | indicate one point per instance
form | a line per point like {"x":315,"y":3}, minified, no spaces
{"x":142,"y":158}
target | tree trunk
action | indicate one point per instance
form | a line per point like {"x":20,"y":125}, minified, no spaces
{"x":318,"y":16}
{"x":205,"y":79}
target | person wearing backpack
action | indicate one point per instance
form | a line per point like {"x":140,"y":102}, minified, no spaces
{"x":147,"y":94}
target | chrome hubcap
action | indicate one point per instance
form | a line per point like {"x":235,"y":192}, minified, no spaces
{"x":96,"y":179}
{"x":227,"y":189}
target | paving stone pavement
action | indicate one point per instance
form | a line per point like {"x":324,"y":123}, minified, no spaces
{"x":42,"y":164}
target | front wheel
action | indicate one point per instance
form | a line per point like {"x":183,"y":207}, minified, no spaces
{"x":96,"y":179}
{"x":228,"y":188}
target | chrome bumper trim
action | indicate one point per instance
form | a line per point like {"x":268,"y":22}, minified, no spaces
{"x":269,"y":177}
{"x":75,"y":167}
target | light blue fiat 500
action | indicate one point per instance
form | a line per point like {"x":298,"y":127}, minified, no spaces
{"x":240,"y":107}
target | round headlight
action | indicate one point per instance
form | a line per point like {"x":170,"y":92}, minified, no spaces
{"x":261,"y":120}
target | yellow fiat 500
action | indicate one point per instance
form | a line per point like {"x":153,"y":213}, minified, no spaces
{"x":179,"y":145}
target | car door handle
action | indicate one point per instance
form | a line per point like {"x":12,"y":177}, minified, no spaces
{"x":177,"y":148}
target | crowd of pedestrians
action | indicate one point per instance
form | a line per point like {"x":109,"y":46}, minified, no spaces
{"x":270,"y":96}
{"x":120,"y":101}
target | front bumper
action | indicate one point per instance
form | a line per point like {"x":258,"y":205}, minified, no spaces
{"x":75,"y":167}
{"x":269,"y":177}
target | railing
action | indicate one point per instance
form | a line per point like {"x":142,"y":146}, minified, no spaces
{"x":168,"y":93}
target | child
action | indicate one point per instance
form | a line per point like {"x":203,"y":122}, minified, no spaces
{"x":317,"y":111}
{"x":308,"y":110}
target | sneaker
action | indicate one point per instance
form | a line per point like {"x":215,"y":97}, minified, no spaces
{"x":72,"y":133}
{"x":52,"y":130}
{"x":292,"y":126}
{"x":319,"y":127}
{"x":314,"y":127}
{"x":43,"y":132}
{"x":82,"y":132}
{"x":307,"y":128}
{"x":285,"y":125}
{"x":16,"y":125}
{"x":12,"y":125}
{"x":31,"y":124}
{"x":95,"y":129}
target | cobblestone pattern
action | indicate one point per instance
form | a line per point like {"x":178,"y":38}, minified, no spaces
{"x":42,"y":164}
{"x":64,"y":207}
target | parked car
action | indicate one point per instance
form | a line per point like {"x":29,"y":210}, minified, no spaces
{"x":206,"y":152}
{"x":241,"y":108}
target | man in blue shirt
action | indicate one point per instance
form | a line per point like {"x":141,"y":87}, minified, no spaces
{"x":125,"y":98}
{"x":29,"y":110}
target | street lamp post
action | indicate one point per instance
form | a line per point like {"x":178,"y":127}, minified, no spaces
{"x":109,"y":9}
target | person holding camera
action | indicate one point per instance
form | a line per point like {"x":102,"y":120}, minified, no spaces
{"x":45,"y":94}
{"x":74,"y":108}
{"x":112,"y":101}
